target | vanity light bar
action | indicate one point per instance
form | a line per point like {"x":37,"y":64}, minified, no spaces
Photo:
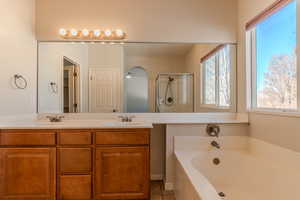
{"x":96,"y":34}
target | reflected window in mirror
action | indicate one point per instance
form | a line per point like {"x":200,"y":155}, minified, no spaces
{"x":217,"y":77}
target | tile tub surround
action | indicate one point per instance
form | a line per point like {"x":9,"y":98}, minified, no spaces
{"x":249,"y":169}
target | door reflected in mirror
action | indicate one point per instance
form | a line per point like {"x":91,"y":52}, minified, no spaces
{"x":71,"y":86}
{"x":136,"y":77}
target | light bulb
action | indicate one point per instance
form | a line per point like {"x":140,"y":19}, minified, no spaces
{"x":128,"y":76}
{"x":74,"y":32}
{"x":97,"y":33}
{"x":107,"y":32}
{"x":119,"y":33}
{"x":85,"y":32}
{"x":62,"y":32}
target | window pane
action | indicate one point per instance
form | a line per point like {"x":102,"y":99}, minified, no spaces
{"x":276,"y":60}
{"x":224,"y":76}
{"x":210,"y":81}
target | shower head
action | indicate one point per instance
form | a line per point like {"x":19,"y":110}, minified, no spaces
{"x":171,"y":79}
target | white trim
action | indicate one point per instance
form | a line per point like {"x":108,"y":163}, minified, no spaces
{"x":233,"y":79}
{"x":298,"y":53}
{"x":276,"y":113}
{"x":213,"y":106}
{"x":253,"y":69}
{"x":169,"y":186}
{"x":248,"y":50}
{"x":217,"y":75}
{"x":156,"y":177}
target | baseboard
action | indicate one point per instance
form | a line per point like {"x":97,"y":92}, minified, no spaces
{"x":169,"y":186}
{"x":156,"y":177}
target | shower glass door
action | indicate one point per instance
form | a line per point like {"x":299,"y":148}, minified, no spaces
{"x":175,"y":92}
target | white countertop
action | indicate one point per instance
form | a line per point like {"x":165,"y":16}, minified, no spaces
{"x":110,"y":121}
{"x":75,"y":124}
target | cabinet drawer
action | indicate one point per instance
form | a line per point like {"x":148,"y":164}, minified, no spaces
{"x":75,"y":138}
{"x":126,"y":137}
{"x":76,"y":187}
{"x":27,"y":137}
{"x":75,"y":160}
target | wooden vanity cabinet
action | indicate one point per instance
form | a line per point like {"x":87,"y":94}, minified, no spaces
{"x":122,"y":164}
{"x":75,"y":164}
{"x":27,"y":173}
{"x":122,"y":173}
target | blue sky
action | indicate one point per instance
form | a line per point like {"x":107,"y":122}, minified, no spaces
{"x":276,"y":35}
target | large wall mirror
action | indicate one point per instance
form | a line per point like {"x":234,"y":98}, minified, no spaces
{"x":76,"y":77}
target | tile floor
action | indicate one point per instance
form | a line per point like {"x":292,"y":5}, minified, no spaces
{"x":157,"y":192}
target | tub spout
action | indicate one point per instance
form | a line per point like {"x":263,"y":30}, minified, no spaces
{"x":215,"y":144}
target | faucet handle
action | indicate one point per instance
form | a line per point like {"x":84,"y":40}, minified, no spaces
{"x":123,"y":118}
{"x":56,"y":118}
{"x":130,"y":118}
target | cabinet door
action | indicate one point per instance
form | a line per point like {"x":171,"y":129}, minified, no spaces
{"x":27,"y":174}
{"x":122,"y":173}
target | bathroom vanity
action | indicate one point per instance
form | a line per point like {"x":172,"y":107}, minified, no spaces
{"x":70,"y":164}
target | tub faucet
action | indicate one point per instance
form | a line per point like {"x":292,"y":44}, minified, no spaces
{"x":213,"y":130}
{"x":215,"y":144}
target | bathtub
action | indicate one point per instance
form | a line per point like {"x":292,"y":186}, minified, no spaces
{"x":249,"y":169}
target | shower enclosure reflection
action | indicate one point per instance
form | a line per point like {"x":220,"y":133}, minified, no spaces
{"x":136,"y":91}
{"x":174,"y":92}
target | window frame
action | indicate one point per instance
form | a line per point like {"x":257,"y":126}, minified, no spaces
{"x":251,"y":65}
{"x":233,"y":61}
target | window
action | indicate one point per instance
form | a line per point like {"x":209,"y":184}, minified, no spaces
{"x":273,"y":39}
{"x":216,"y":70}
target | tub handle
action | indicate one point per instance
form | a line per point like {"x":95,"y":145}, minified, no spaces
{"x":213,"y":130}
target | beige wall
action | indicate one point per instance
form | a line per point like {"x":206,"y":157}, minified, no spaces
{"x":280,"y":130}
{"x":18,"y":56}
{"x":105,"y":56}
{"x":51,"y":70}
{"x":155,"y":20}
{"x":158,"y":144}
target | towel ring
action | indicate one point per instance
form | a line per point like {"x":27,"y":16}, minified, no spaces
{"x":53,"y":87}
{"x":18,"y":85}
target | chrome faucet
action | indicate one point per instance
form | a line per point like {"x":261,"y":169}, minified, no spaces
{"x":56,"y":118}
{"x":126,"y":118}
{"x":215,"y":144}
